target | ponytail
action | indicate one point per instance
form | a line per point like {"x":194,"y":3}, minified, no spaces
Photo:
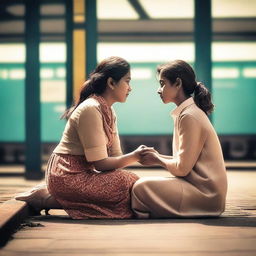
{"x":94,"y":85}
{"x":202,"y":98}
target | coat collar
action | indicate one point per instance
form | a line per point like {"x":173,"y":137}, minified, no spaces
{"x":176,"y":112}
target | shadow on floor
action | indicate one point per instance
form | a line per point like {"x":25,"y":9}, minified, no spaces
{"x":220,"y":221}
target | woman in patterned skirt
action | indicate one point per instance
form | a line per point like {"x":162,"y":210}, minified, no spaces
{"x":83,"y":175}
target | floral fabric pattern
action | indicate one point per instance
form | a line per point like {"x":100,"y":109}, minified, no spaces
{"x":85,"y":193}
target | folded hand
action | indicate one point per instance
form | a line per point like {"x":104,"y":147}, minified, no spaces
{"x":142,"y":150}
{"x":149,"y":158}
{"x":148,"y":155}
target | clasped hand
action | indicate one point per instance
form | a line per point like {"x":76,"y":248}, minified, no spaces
{"x":147,"y":155}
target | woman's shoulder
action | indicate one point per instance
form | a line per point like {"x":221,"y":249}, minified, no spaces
{"x":87,"y":107}
{"x":88,"y":104}
{"x":194,"y":117}
{"x":193,"y":112}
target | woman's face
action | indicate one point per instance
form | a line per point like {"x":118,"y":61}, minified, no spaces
{"x":122,"y":88}
{"x":167,"y":90}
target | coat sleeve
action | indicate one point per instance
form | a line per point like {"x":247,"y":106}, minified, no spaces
{"x":191,"y":137}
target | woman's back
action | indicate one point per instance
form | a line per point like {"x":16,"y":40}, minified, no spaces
{"x":207,"y":177}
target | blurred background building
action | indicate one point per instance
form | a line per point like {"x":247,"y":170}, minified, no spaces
{"x":48,"y":48}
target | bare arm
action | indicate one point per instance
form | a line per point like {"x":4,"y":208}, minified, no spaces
{"x":111,"y":163}
{"x":153,"y":158}
{"x":165,"y":156}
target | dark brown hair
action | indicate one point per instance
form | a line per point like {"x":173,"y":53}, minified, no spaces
{"x":114,"y":67}
{"x":181,"y":69}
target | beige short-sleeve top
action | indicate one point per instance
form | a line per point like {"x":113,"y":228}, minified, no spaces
{"x":84,"y":133}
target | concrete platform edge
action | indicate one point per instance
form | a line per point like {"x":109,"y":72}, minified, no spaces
{"x":12,"y":213}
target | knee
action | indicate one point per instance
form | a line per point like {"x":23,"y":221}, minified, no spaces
{"x":140,"y":189}
{"x":136,"y":190}
{"x":139,"y":201}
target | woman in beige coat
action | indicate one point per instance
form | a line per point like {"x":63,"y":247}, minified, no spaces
{"x":199,"y":185}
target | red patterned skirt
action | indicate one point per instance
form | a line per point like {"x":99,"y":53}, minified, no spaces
{"x":85,"y":193}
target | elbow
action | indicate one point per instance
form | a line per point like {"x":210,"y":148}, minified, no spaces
{"x":182,"y":173}
{"x":100,"y":165}
{"x":179,"y":171}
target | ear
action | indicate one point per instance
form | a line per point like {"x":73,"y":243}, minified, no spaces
{"x":110,"y":83}
{"x":178,"y":82}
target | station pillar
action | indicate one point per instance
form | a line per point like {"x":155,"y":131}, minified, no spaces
{"x":203,"y":41}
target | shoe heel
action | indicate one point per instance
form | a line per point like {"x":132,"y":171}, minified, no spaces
{"x":34,"y":211}
{"x":46,"y":211}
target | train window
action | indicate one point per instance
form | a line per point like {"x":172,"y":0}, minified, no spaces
{"x":222,"y":73}
{"x":4,"y":74}
{"x":16,"y":74}
{"x":46,"y":73}
{"x":249,"y":72}
{"x":61,"y":72}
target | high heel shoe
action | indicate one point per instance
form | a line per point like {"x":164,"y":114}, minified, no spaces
{"x":37,"y":198}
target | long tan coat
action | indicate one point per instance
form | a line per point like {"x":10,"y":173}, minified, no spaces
{"x":200,"y":185}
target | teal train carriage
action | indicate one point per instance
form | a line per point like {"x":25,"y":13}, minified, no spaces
{"x":143,"y":119}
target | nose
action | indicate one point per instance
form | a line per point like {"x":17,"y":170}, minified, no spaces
{"x":129,"y":88}
{"x":159,"y":91}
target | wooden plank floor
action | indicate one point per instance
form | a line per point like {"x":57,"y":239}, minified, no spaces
{"x":232,"y":234}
